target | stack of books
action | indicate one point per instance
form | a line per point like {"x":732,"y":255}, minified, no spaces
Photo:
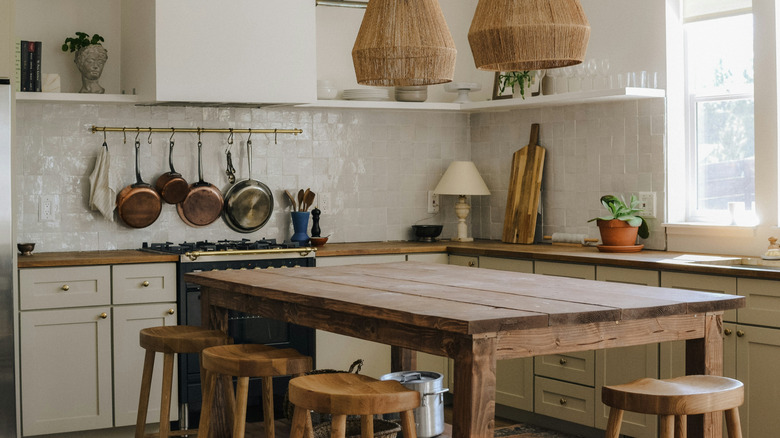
{"x":28,"y":66}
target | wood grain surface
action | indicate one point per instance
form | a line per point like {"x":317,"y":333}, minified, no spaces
{"x":473,"y":316}
{"x":523,"y":194}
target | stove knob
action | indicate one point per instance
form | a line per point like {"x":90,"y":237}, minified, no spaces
{"x":242,"y":269}
{"x":258,"y":267}
{"x":284,"y":267}
{"x":270,"y":267}
{"x":228,"y":269}
{"x":215,"y":269}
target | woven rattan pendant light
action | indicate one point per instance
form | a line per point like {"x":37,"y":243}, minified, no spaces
{"x":404,"y":43}
{"x":517,"y":35}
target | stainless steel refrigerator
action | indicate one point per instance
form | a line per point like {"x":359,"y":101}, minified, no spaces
{"x":7,"y":254}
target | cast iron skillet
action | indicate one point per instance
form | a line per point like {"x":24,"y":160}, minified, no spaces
{"x":138,"y":204}
{"x":203,"y":203}
{"x":248,"y":203}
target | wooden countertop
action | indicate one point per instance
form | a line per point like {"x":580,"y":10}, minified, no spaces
{"x":645,"y":259}
{"x":87,"y":258}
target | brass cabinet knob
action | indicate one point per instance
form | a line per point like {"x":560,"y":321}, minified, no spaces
{"x":145,"y":284}
{"x":562,"y":401}
{"x":740,"y":333}
{"x":65,"y":287}
{"x":471,"y":264}
{"x":171,"y":311}
{"x":563,"y":361}
{"x":727,"y":332}
{"x":104,"y":315}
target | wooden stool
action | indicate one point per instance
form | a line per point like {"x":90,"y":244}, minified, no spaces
{"x":244,"y":361}
{"x":169,"y":340}
{"x":342,"y":394}
{"x":673,"y":400}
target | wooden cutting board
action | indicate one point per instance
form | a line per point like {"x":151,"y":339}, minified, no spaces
{"x":525,"y":183}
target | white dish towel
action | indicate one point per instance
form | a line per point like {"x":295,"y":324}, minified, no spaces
{"x":101,"y":196}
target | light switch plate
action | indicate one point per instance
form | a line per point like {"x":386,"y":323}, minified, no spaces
{"x":647,"y":204}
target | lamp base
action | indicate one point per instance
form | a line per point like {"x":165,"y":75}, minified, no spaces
{"x":462,"y":239}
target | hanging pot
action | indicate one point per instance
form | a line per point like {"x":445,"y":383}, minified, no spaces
{"x":139,"y":205}
{"x":248,"y":203}
{"x":171,"y":186}
{"x":430,"y":415}
{"x":203,"y":203}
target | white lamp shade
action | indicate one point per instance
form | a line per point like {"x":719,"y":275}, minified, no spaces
{"x":461,"y":178}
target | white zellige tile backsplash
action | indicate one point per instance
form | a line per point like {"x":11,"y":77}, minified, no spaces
{"x":374,"y":167}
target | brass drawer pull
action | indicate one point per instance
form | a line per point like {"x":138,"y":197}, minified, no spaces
{"x":562,"y":401}
{"x":171,"y":311}
{"x":104,"y":315}
{"x":727,"y":332}
{"x":740,"y":333}
{"x":471,"y":264}
{"x":563,"y":361}
{"x":145,"y":284}
{"x":65,"y":287}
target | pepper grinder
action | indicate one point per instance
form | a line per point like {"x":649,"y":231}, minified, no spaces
{"x":315,"y":222}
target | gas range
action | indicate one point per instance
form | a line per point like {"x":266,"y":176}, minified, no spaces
{"x":241,"y":254}
{"x":230,"y":250}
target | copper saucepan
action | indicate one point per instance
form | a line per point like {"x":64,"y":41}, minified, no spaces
{"x":203,"y":203}
{"x":171,"y":186}
{"x":139,"y":205}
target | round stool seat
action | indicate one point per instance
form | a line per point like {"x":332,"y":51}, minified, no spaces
{"x":351,"y":394}
{"x":254,"y":360}
{"x":181,"y":339}
{"x":686,"y":395}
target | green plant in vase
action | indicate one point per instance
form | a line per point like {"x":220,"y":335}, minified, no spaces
{"x":510,"y":79}
{"x":90,"y":59}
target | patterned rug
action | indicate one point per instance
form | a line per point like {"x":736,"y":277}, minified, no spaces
{"x":527,"y":431}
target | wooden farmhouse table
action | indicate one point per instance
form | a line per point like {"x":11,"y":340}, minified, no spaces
{"x":476,"y":317}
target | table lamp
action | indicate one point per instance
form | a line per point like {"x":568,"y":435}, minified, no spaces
{"x":462,"y":178}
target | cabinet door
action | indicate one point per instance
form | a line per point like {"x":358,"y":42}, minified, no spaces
{"x":54,"y":288}
{"x":436,"y":257}
{"x":337,"y":351}
{"x":128,"y":321}
{"x":143,"y":283}
{"x":762,"y":302}
{"x":571,"y":270}
{"x":65,"y":368}
{"x":460,"y":260}
{"x":514,"y":377}
{"x":622,"y":365}
{"x":758,"y":356}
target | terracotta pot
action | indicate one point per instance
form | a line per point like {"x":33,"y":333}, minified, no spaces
{"x":617,"y":233}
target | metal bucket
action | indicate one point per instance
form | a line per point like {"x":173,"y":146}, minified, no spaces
{"x":430,"y":415}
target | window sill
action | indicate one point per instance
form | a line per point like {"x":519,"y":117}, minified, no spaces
{"x":708,"y":230}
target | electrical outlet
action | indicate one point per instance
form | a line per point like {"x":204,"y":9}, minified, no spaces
{"x":46,"y":209}
{"x":433,"y":202}
{"x":647,"y":204}
{"x":323,"y":202}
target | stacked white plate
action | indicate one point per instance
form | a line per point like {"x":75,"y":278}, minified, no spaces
{"x":367,"y":94}
{"x":411,"y":94}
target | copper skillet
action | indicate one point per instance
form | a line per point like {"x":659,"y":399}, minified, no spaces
{"x":203,"y":203}
{"x":171,"y":186}
{"x":138,"y":204}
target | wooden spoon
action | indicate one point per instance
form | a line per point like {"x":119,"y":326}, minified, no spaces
{"x":300,"y":200}
{"x":292,"y":200}
{"x":308,"y":199}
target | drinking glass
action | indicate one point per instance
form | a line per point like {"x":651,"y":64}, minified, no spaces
{"x":603,"y":69}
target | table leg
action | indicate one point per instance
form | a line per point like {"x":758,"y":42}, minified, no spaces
{"x":215,"y":318}
{"x":402,"y":359}
{"x":474,"y":404}
{"x":705,"y":356}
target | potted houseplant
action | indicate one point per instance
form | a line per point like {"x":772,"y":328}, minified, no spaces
{"x":90,"y":59}
{"x":511,"y":79}
{"x":623,"y":223}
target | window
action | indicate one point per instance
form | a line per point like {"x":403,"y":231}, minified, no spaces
{"x":720,"y":143}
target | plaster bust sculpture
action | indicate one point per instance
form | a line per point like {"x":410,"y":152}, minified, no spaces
{"x":90,"y":60}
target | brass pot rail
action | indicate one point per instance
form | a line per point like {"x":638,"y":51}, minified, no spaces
{"x":198,"y":131}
